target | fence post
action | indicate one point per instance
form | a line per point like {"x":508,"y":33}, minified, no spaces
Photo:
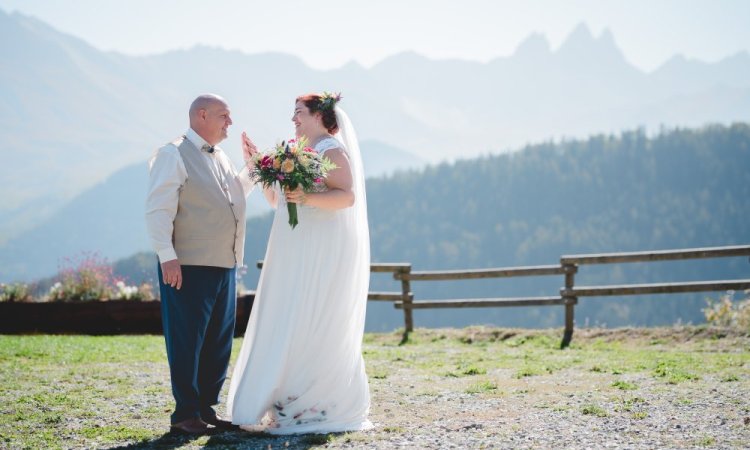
{"x":406,"y":299}
{"x":570,"y":302}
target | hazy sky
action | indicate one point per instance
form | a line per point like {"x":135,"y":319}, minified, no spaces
{"x":329,"y":33}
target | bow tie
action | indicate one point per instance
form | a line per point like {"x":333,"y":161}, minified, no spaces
{"x":207,"y":148}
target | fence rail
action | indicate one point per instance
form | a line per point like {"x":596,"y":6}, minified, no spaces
{"x":529,"y":271}
{"x":659,"y":255}
{"x":657,"y":288}
{"x":569,"y":293}
{"x":484,"y":302}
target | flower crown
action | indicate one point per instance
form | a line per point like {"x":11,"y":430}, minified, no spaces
{"x":329,"y":99}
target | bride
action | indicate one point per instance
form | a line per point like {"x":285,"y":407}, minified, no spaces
{"x":300,"y":369}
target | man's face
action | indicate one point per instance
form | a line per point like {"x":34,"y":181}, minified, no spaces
{"x":216,"y":121}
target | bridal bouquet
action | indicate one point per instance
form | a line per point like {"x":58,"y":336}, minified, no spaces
{"x":292,"y":164}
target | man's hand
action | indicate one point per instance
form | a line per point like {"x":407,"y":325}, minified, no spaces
{"x":172,"y":274}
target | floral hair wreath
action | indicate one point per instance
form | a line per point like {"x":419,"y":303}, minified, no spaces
{"x":329,"y":99}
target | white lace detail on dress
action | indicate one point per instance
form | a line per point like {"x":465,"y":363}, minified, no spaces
{"x":327,"y":144}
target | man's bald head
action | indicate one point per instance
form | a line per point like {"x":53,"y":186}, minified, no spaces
{"x":204,"y":102}
{"x":209,"y":117}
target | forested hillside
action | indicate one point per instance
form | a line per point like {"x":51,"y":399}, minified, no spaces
{"x":681,"y":188}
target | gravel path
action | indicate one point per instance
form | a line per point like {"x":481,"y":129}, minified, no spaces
{"x":678,"y":387}
{"x":614,"y":389}
{"x":550,"y":415}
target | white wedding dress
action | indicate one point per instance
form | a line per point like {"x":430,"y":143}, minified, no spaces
{"x":300,"y":369}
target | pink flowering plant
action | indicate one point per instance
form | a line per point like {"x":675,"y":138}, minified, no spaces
{"x":90,"y":277}
{"x":292,"y":164}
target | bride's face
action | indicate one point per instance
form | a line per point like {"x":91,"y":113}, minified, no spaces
{"x":305,"y":123}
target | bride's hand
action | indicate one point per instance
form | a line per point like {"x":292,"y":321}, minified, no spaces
{"x":248,"y":148}
{"x":296,"y":196}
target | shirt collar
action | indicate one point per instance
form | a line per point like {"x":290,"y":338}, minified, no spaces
{"x":198,"y":141}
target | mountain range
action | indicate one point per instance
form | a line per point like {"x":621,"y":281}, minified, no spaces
{"x":72,"y":116}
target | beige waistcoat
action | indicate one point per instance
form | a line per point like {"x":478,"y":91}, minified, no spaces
{"x":209,"y":228}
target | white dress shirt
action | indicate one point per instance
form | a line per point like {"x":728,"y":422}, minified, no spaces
{"x":168,"y":174}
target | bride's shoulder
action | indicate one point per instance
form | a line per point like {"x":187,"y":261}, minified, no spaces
{"x":327,"y":144}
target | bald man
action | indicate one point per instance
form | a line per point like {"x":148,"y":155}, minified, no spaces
{"x":195,"y":216}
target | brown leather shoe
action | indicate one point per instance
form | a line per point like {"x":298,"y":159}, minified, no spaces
{"x":220,"y":422}
{"x":190,"y":426}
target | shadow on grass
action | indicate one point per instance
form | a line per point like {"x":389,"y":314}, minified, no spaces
{"x":166,"y":441}
{"x":231,"y":440}
{"x":246,"y":440}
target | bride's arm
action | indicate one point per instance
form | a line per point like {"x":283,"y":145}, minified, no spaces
{"x":339,"y":181}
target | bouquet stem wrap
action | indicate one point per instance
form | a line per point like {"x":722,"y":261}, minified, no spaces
{"x":292,"y":210}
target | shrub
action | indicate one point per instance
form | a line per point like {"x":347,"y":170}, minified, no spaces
{"x":86,"y":278}
{"x":15,"y":292}
{"x":124,"y":292}
{"x":729,"y":313}
{"x":90,"y":277}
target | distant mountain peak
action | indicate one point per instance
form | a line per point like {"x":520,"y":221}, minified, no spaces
{"x":680,"y":63}
{"x":741,"y":56}
{"x":607,"y":38}
{"x":678,"y":57}
{"x":536,"y":44}
{"x":582,"y":45}
{"x":580,"y":36}
{"x":405,"y":57}
{"x":579,"y":42}
{"x":352,"y":65}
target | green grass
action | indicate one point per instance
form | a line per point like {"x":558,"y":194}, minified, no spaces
{"x":481,"y":387}
{"x":474,"y":370}
{"x":318,"y":439}
{"x":103,"y":392}
{"x":706,"y":441}
{"x":632,"y":404}
{"x":594,"y":410}
{"x":50,"y":380}
{"x":624,"y":385}
{"x":676,"y":370}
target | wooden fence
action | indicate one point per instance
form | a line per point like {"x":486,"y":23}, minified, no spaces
{"x":569,"y":293}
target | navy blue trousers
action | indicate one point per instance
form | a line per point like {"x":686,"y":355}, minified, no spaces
{"x":198,"y":323}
